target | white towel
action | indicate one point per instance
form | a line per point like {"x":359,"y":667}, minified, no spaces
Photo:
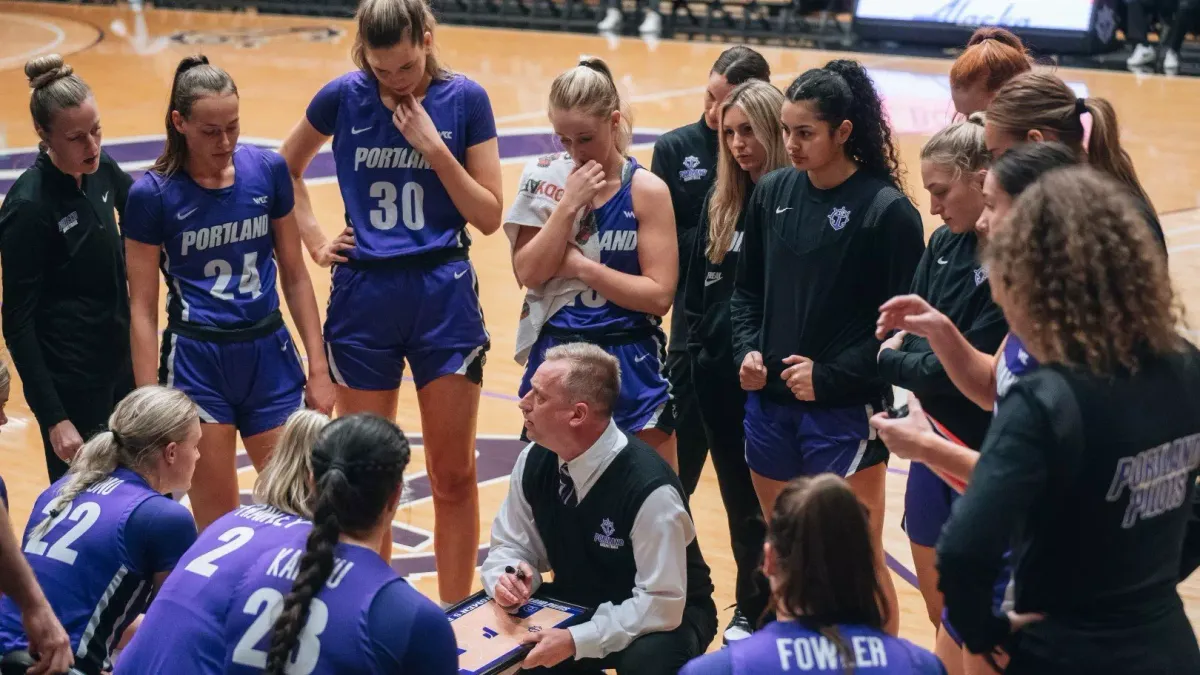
{"x":542,"y":185}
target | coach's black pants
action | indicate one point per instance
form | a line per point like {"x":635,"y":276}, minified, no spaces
{"x":690,"y":442}
{"x":88,"y":409}
{"x":722,"y":405}
{"x":653,"y":653}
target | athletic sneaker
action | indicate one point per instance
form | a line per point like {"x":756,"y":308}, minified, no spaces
{"x":1143,"y":55}
{"x":652,"y":23}
{"x":1171,"y":61}
{"x":739,"y":628}
{"x":612,"y":20}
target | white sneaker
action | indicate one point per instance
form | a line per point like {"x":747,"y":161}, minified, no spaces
{"x":612,"y":20}
{"x":1171,"y":61}
{"x":652,"y":23}
{"x":1143,"y":55}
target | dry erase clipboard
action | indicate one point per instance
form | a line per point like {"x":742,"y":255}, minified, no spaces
{"x":489,"y":638}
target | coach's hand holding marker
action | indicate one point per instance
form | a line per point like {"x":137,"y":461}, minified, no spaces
{"x":753,"y":374}
{"x":514,"y":587}
{"x":799,"y":377}
{"x":552,"y":648}
{"x":905,"y":436}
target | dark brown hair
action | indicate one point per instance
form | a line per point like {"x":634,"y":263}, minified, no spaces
{"x":1075,"y":255}
{"x":195,"y":78}
{"x":1043,"y":101}
{"x":821,"y":536}
{"x":358,"y":465}
{"x":993,"y":56}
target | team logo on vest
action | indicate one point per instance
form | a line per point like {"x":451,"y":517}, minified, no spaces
{"x":981,"y":275}
{"x":839,"y":218}
{"x":691,"y":171}
{"x":67,"y":223}
{"x":605,"y":538}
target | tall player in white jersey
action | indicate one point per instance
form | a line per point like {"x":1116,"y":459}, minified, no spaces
{"x":417,"y":158}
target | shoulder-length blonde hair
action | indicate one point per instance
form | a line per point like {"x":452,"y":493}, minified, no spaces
{"x":286,"y":481}
{"x":762,"y":103}
{"x":1076,"y":259}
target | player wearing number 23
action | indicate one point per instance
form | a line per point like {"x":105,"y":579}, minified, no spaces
{"x":103,"y":537}
{"x":217,"y":217}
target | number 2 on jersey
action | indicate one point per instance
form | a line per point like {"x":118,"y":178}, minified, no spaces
{"x":231,"y":540}
{"x":84,"y":515}
{"x":265,"y":605}
{"x":412,"y":205}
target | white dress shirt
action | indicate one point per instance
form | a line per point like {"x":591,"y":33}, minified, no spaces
{"x":661,"y":532}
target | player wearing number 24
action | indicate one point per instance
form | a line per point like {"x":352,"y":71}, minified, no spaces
{"x":217,"y":217}
{"x":102,"y":539}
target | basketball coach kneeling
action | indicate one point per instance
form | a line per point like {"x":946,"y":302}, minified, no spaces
{"x":603,"y":511}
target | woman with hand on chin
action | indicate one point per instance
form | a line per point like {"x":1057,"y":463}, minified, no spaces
{"x":417,"y":159}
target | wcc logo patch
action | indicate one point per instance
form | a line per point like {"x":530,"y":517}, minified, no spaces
{"x":981,"y":275}
{"x":605,"y":536}
{"x":839,"y":218}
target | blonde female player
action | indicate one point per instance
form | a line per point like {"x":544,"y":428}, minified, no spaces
{"x":219,"y":218}
{"x":182,"y":631}
{"x":623,"y":214}
{"x":417,"y":159}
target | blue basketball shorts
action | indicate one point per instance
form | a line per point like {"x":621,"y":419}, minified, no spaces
{"x":927,"y":503}
{"x":254,"y":385}
{"x":645,"y":400}
{"x":800,"y":438}
{"x":380,"y":316}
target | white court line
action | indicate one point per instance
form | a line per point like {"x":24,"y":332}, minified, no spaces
{"x":18,"y":59}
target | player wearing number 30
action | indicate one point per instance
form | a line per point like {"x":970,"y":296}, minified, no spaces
{"x":218,"y":215}
{"x":417,"y":157}
{"x":103,"y":537}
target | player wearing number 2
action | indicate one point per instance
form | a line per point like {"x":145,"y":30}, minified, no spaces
{"x":217,"y":216}
{"x":102,"y":538}
{"x":417,"y":158}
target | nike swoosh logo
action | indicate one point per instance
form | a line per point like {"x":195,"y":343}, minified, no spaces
{"x":104,"y":198}
{"x":356,"y":132}
{"x":184,"y":214}
{"x":458,"y":275}
{"x":710,"y":282}
{"x":943,"y":261}
{"x":639,"y":359}
{"x":779,"y":210}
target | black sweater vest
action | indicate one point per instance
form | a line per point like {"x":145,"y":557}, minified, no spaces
{"x":589,"y":545}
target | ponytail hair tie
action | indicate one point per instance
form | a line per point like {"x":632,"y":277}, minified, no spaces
{"x":117,"y":437}
{"x":1080,"y":106}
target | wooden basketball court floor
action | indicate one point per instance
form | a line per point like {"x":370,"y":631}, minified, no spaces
{"x":129,"y":57}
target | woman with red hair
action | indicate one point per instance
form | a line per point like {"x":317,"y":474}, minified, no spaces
{"x":993,"y":56}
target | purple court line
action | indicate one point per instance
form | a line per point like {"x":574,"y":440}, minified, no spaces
{"x":902,"y":571}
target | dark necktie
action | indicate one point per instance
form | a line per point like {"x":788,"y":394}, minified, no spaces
{"x":566,"y":486}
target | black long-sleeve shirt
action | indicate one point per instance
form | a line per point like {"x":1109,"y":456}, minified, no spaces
{"x":952,"y":280}
{"x":815,"y":267}
{"x":1089,"y":480}
{"x":66,"y":303}
{"x":686,"y":160}
{"x":707,"y":291}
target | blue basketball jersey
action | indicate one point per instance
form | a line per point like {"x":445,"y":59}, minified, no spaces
{"x":395,"y":202}
{"x":97,"y":572}
{"x":218,"y":250}
{"x":1013,"y":363}
{"x":335,"y":639}
{"x":789,"y":647}
{"x":183,"y":632}
{"x":617,"y":227}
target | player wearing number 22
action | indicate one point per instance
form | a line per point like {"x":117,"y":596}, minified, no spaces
{"x":417,"y":157}
{"x":103,"y":537}
{"x":216,"y":216}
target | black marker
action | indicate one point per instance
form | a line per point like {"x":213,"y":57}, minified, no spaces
{"x":520,"y":573}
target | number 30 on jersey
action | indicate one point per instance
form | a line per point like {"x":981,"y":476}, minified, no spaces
{"x":408,"y":203}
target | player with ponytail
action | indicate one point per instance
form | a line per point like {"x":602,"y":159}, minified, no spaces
{"x":824,"y":591}
{"x":104,"y":537}
{"x":827,"y":240}
{"x":993,"y":57}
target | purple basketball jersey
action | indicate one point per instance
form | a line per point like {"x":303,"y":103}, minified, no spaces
{"x":617,"y":228}
{"x":335,"y":639}
{"x":788,"y":647}
{"x":1013,"y":363}
{"x":89,"y":569}
{"x":218,"y":250}
{"x":395,"y":202}
{"x":183,"y":633}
